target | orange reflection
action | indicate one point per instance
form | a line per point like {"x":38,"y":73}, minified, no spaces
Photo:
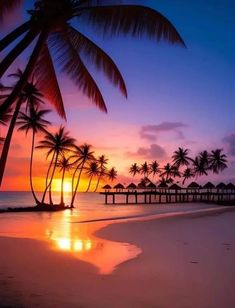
{"x":79,"y":241}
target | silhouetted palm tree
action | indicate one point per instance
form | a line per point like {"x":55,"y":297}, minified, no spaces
{"x":217,"y":161}
{"x":187,"y":174}
{"x":64,"y":165}
{"x":34,"y":122}
{"x":112,"y":174}
{"x":92,"y":170}
{"x":49,"y":23}
{"x":30,"y":96}
{"x":102,"y":162}
{"x":82,"y":155}
{"x":181,"y":158}
{"x":154,"y":168}
{"x":200,"y":166}
{"x":144,"y":169}
{"x":170,"y":171}
{"x":56,"y":144}
{"x":204,"y":158}
{"x":134,"y":169}
{"x":4,"y":119}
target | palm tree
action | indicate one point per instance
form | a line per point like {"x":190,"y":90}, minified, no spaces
{"x":4,"y":119}
{"x":181,"y":158}
{"x":217,"y":161}
{"x":31,"y":96}
{"x":56,"y":144}
{"x":112,"y":174}
{"x":49,"y":25}
{"x":92,"y":170}
{"x":200,"y":166}
{"x":134,"y":169}
{"x":64,"y":165}
{"x":34,"y":122}
{"x":102,"y":162}
{"x":168,"y":171}
{"x":82,"y":155}
{"x":204,"y":158}
{"x":144,"y":169}
{"x":187,"y":174}
{"x":154,"y":168}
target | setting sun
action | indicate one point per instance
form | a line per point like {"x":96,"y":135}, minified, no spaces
{"x":56,"y":185}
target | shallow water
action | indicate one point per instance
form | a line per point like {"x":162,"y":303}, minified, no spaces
{"x":64,"y":231}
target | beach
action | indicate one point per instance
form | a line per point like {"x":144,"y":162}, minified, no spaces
{"x":182,"y":262}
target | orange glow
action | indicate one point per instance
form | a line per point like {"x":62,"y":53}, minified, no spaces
{"x":67,"y":186}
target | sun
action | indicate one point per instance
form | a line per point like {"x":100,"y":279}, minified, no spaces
{"x":67,"y":187}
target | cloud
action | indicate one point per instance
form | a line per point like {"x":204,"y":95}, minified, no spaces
{"x":230,"y":140}
{"x":155,"y":151}
{"x":149,"y":132}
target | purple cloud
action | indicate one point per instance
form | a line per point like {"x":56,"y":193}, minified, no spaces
{"x":155,"y":151}
{"x":230,"y":140}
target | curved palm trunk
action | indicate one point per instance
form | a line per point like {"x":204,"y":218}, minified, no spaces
{"x":62,"y":188}
{"x":47,"y":176}
{"x":7,"y":141}
{"x":97,"y":184}
{"x":31,"y":170}
{"x":51,"y":179}
{"x":89,"y":184}
{"x":76,"y":188}
{"x":17,"y":90}
{"x":50,"y":196}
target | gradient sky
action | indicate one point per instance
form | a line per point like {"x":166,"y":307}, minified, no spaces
{"x":176,"y":97}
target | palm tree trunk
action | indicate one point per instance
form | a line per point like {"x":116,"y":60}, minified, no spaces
{"x":17,"y":90}
{"x":62,"y":188}
{"x":31,"y":170}
{"x":89,"y":184}
{"x":76,"y":188}
{"x":7,"y":141}
{"x":52,"y":175}
{"x":50,"y":195}
{"x":97,"y":184}
{"x":47,"y":175}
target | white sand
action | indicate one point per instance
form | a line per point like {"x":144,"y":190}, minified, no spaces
{"x":186,"y":262}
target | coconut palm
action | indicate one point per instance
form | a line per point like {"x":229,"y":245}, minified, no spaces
{"x":144,"y":169}
{"x":64,"y":164}
{"x":102,"y":162}
{"x":112,"y":174}
{"x":187,"y":174}
{"x":204,"y":158}
{"x":56,"y":144}
{"x":181,"y":158}
{"x":217,"y":161}
{"x":49,"y":24}
{"x":134,"y":169}
{"x":31,"y":96}
{"x":154,"y":168}
{"x":33,"y":122}
{"x":169,"y":171}
{"x":200,"y":166}
{"x":92,"y":170}
{"x":4,"y":119}
{"x":82,"y":155}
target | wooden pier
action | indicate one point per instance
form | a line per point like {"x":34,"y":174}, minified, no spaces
{"x":167,"y":196}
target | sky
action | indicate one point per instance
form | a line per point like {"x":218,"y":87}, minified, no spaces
{"x":177,"y":97}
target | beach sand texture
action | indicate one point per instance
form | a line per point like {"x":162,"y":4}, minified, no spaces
{"x":185,"y":262}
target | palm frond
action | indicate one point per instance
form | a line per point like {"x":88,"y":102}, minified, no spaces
{"x":73,"y":66}
{"x":47,"y":82}
{"x":98,"y":57}
{"x":132,"y":20}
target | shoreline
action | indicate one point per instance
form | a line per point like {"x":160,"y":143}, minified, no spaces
{"x":142,"y":233}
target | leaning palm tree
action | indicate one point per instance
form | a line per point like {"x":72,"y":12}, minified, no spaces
{"x":34,"y":122}
{"x":56,"y":144}
{"x":217,"y":161}
{"x":92,"y":170}
{"x":187,"y":174}
{"x":102,"y":162}
{"x":4,"y":119}
{"x":82,"y":155}
{"x":64,"y":164}
{"x":49,"y":24}
{"x":32,"y":97}
{"x":181,"y":158}
{"x":134,"y":169}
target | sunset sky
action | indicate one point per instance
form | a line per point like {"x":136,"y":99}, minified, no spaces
{"x":176,"y":96}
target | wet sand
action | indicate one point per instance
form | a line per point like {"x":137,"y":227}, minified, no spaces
{"x":185,"y":262}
